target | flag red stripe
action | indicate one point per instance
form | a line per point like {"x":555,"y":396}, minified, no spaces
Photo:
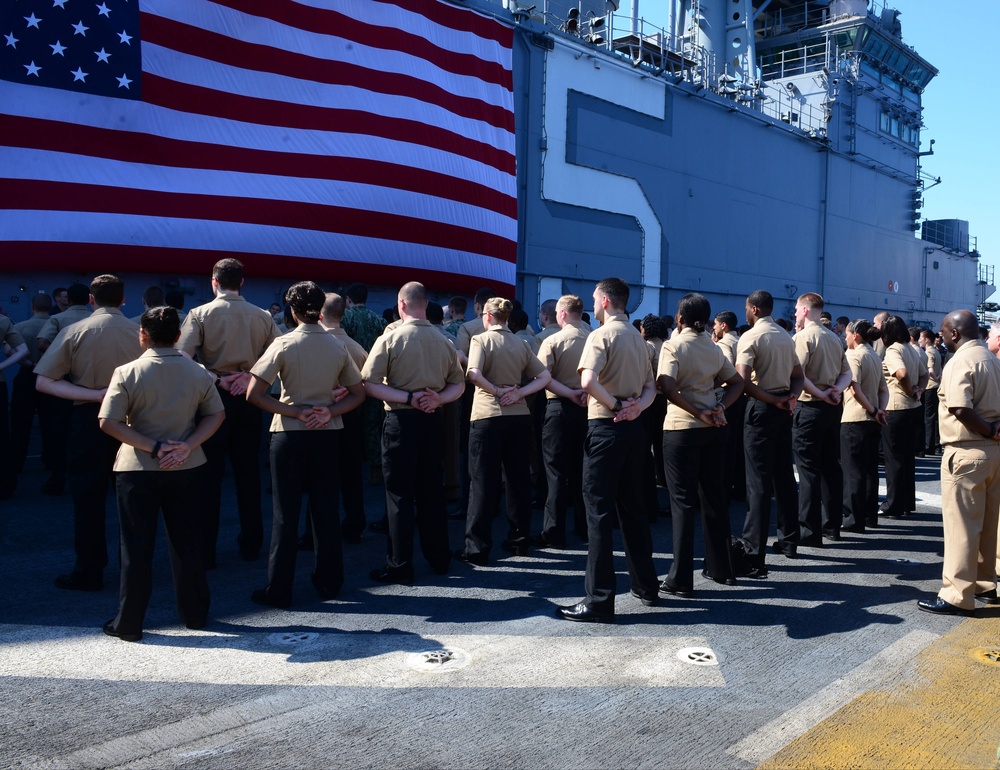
{"x":143,"y":148}
{"x":32,"y":195}
{"x":252,"y":56}
{"x":99,"y":257}
{"x":330,"y":22}
{"x":205,"y":101}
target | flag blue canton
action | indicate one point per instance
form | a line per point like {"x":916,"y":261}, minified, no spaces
{"x":90,"y":46}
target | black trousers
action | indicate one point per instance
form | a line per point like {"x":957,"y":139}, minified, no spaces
{"x":652,"y":460}
{"x":816,"y":444}
{"x":899,"y":451}
{"x":734,"y":478}
{"x":142,"y":495}
{"x":25,"y":402}
{"x":498,"y":446}
{"x":90,"y":461}
{"x":8,"y":473}
{"x":563,"y":434}
{"x":859,"y":451}
{"x":612,"y":474}
{"x":767,"y":439}
{"x":932,"y":438}
{"x":304,"y":463}
{"x":413,"y":472}
{"x":238,"y":439}
{"x":691,"y":460}
{"x":352,"y":483}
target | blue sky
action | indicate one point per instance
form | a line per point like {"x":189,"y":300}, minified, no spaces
{"x":955,"y":37}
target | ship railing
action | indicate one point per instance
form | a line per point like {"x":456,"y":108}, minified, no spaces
{"x":783,"y":105}
{"x":783,"y":21}
{"x":810,"y":56}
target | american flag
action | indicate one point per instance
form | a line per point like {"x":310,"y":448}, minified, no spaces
{"x":331,"y":139}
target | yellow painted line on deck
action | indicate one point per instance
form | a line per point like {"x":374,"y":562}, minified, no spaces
{"x":940,"y":713}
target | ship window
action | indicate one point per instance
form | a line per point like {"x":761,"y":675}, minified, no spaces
{"x":918,"y":74}
{"x":892,"y":84}
{"x":876,"y":47}
{"x":885,"y":122}
{"x":845,"y":40}
{"x":910,"y":94}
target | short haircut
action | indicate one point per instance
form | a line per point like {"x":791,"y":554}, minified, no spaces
{"x":42,"y":302}
{"x":668,"y":320}
{"x":616,"y":290}
{"x":357,"y":293}
{"x":228,"y":273}
{"x":842,"y":321}
{"x":695,"y":309}
{"x":827,"y":315}
{"x":108,"y":290}
{"x":894,"y":330}
{"x":517,"y":320}
{"x":78,"y":294}
{"x":499,"y":308}
{"x":762,"y":300}
{"x":58,"y":290}
{"x":458,"y":305}
{"x":928,"y":334}
{"x":483,"y":295}
{"x":548,"y":308}
{"x":162,"y":324}
{"x":174,"y":298}
{"x":727,"y":317}
{"x":153,"y":296}
{"x":334,"y":307}
{"x":915,"y":333}
{"x":306,"y":298}
{"x":653,"y":327}
{"x":414,"y":293}
{"x":435,"y":313}
{"x":883,"y":314}
{"x":571,"y":303}
{"x":811,"y":300}
{"x":863,"y":329}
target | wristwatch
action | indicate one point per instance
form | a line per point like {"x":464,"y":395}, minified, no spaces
{"x":618,"y":405}
{"x":156,"y":449}
{"x":409,"y":398}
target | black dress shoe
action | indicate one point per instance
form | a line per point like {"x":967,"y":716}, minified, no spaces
{"x":75,"y":581}
{"x":831,"y":534}
{"x":380,"y":526}
{"x":731,"y":581}
{"x":261,"y":596}
{"x":583,"y":613}
{"x":939,"y":606}
{"x":857,"y":529}
{"x":325,"y":592}
{"x":541,"y":541}
{"x":389,"y":575}
{"x":756,"y":573}
{"x":668,"y":588}
{"x":647,"y":601}
{"x":517,"y":546}
{"x":110,"y":630}
{"x":352,"y":538}
{"x":988,"y":597}
{"x":54,"y":486}
{"x":306,"y":543}
{"x":478,"y":559}
{"x":813,"y":541}
{"x":440,"y":567}
{"x":789,"y":550}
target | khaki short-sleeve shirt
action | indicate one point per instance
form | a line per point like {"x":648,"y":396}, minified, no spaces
{"x":770,"y":353}
{"x":619,"y":356}
{"x":933,"y":367}
{"x":530,"y":340}
{"x":694,"y":362}
{"x":866,"y":370}
{"x":467,"y":331}
{"x":728,"y":344}
{"x":60,"y":321}
{"x":412,"y":357}
{"x":311,"y":363}
{"x":821,"y":356}
{"x":88,"y":351}
{"x":159,"y":394}
{"x":358,"y":354}
{"x":29,"y":331}
{"x":560,"y":354}
{"x":10,"y":335}
{"x":228,"y":334}
{"x":899,"y":356}
{"x":972,"y":380}
{"x":504,"y":360}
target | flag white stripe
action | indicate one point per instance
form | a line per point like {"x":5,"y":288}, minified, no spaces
{"x":223,"y":20}
{"x":213,"y":235}
{"x":59,"y":167}
{"x":137,"y":116}
{"x":264,"y":85}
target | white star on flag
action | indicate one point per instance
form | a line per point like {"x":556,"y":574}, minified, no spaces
{"x":103,"y":56}
{"x":80,"y":75}
{"x":11,"y":40}
{"x":80,"y":29}
{"x":32,"y":20}
{"x":123,"y":82}
{"x":32,"y":69}
{"x":58,"y":48}
{"x":124,"y":37}
{"x":103,"y":10}
{"x":59,"y":4}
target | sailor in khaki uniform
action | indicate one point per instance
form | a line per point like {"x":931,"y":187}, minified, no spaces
{"x":734,"y":471}
{"x":78,"y":367}
{"x":305,"y":441}
{"x":500,"y":433}
{"x":25,"y":400}
{"x":615,"y":372}
{"x":816,"y":425}
{"x":969,"y":421}
{"x":10,"y":337}
{"x":564,"y":429}
{"x":932,"y":443}
{"x":151,"y":406}
{"x":765,"y":359}
{"x":227,"y":336}
{"x":414,"y":370}
{"x":79,"y":308}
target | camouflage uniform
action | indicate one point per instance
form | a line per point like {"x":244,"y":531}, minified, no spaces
{"x":452,"y":328}
{"x":364,"y":327}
